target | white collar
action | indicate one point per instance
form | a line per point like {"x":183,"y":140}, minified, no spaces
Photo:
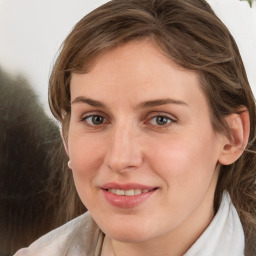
{"x":224,"y":236}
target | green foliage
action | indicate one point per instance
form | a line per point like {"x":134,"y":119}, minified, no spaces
{"x":249,"y":1}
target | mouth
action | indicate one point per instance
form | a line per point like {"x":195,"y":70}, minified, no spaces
{"x":127,"y":195}
{"x":130,"y":192}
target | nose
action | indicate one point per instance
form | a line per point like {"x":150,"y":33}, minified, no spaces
{"x":124,"y":152}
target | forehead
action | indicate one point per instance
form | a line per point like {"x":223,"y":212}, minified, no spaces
{"x":139,"y":71}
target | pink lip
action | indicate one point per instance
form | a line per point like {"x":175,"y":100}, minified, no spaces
{"x":126,"y":201}
{"x":126,"y":186}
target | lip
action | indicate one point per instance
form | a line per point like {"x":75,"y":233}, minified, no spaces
{"x":126,"y":186}
{"x":126,"y":201}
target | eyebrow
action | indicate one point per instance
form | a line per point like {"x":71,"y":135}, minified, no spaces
{"x":145,"y":104}
{"x":159,"y":102}
{"x":91,"y":102}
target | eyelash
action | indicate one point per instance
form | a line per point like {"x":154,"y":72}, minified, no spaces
{"x":85,"y":119}
{"x":169,"y":120}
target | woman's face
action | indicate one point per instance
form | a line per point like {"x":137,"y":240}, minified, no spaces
{"x":142,"y":147}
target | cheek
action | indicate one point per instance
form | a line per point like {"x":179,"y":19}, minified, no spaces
{"x":187,"y":167}
{"x":185,"y":160}
{"x":86,"y":154}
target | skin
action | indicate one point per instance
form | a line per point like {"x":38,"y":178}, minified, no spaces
{"x":180,"y":155}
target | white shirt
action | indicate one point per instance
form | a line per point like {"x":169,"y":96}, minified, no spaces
{"x":224,"y":236}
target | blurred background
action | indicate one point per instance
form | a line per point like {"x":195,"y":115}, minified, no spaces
{"x":31,"y":32}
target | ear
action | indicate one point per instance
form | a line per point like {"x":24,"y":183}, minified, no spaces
{"x":233,"y":147}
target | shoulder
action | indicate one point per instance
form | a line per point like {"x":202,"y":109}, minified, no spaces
{"x":77,"y":237}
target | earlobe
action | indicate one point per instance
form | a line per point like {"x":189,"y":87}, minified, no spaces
{"x":233,"y":147}
{"x":69,"y":164}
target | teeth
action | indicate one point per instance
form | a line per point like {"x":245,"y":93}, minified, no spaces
{"x":120,"y":192}
{"x":130,"y":192}
{"x":137,"y":191}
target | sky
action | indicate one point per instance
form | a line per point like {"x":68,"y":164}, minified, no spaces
{"x":31,"y":32}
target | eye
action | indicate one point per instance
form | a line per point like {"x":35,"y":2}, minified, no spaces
{"x":160,"y":120}
{"x":94,"y":120}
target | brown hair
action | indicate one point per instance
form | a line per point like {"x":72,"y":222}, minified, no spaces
{"x":189,"y":33}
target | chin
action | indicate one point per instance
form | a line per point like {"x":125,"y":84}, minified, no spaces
{"x":129,"y":234}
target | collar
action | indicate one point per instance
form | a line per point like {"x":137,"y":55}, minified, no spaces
{"x":224,"y":236}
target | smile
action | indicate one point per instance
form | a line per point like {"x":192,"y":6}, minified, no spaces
{"x":127,"y":195}
{"x":130,"y":192}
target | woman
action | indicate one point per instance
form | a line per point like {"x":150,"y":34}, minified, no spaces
{"x":158,"y":122}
